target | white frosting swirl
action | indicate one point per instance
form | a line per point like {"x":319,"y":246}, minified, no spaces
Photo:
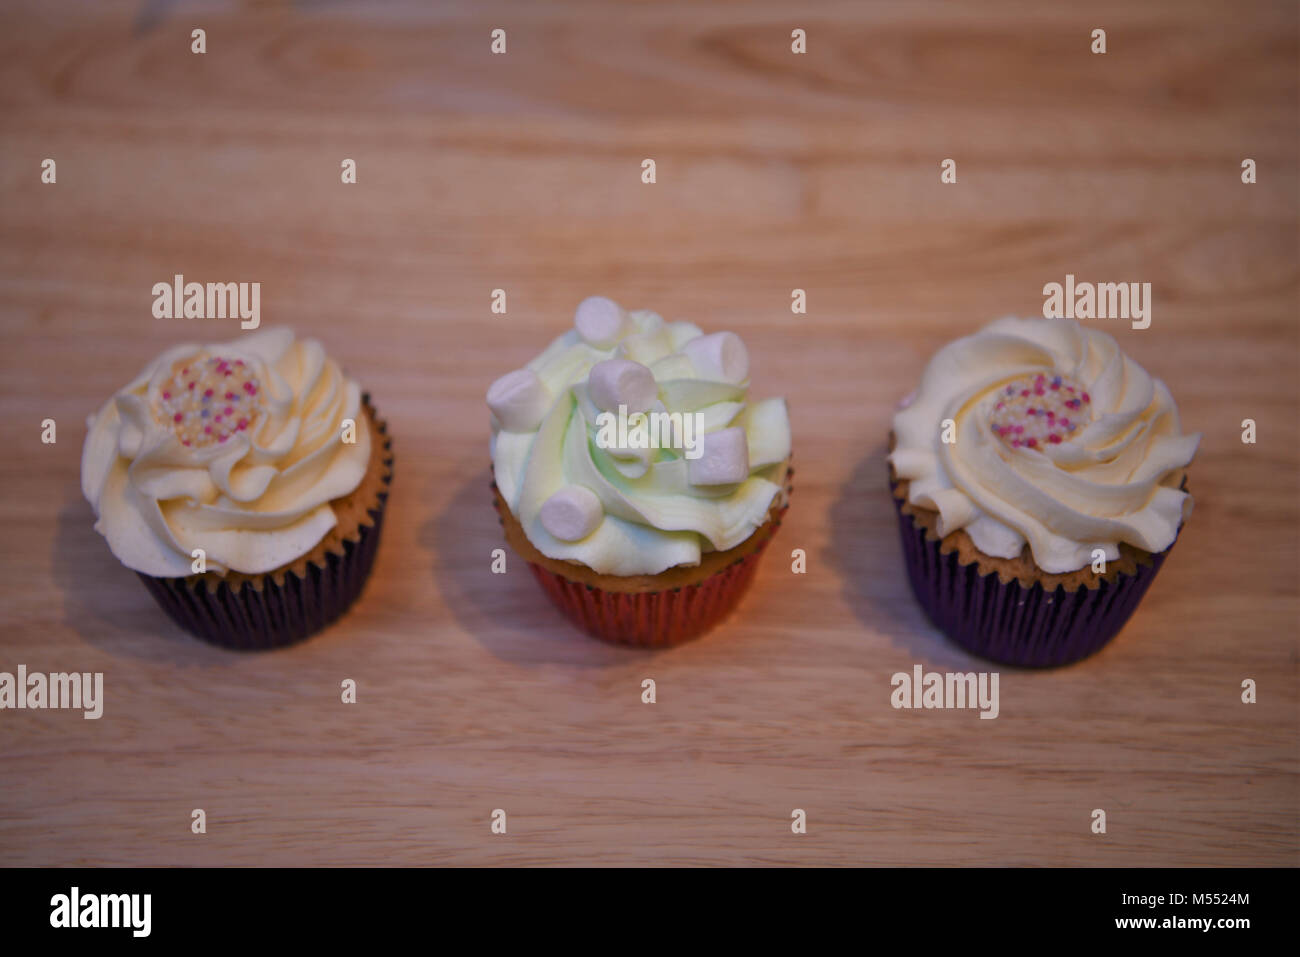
{"x":655,"y":510}
{"x":255,"y":501}
{"x":1113,"y":479}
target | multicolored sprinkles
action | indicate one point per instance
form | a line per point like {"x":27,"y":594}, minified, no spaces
{"x":207,"y":401}
{"x":1040,"y":410}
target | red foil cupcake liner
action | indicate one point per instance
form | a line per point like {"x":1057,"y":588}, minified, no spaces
{"x":652,"y":619}
{"x":249,"y":618}
{"x":1007,"y":622}
{"x":657,"y":619}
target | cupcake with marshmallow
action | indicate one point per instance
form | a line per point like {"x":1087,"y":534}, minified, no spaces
{"x":635,"y":475}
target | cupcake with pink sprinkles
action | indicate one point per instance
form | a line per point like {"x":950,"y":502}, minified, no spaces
{"x":1040,"y":481}
{"x":245,"y":483}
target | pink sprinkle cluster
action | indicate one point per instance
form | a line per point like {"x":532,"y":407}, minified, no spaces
{"x":1039,"y":410}
{"x":209,"y":400}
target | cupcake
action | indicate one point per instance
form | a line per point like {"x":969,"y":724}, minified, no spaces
{"x":1039,"y":476}
{"x":245,"y":483}
{"x":634,"y":475}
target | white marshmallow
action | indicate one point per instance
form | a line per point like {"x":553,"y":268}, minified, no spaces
{"x":725,"y":459}
{"x":599,"y":321}
{"x":519,"y":400}
{"x":572,"y":513}
{"x":646,"y":348}
{"x":645,"y":321}
{"x":616,"y":382}
{"x":675,"y":366}
{"x":720,"y":356}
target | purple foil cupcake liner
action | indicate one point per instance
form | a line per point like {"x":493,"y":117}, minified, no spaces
{"x":1009,"y":623}
{"x":249,"y":618}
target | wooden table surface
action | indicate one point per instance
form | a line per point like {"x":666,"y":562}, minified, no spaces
{"x":775,"y":171}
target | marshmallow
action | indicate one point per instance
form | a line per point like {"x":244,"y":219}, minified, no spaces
{"x":646,"y":348}
{"x":616,"y":382}
{"x":720,"y":356}
{"x":572,"y":513}
{"x":675,"y":366}
{"x":519,"y":400}
{"x":645,"y":321}
{"x":725,"y":459}
{"x":599,"y":321}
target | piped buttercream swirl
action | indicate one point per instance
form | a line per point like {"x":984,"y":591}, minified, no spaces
{"x":252,"y":490}
{"x":1102,"y":470}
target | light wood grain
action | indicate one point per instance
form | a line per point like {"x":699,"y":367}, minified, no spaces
{"x":775,"y":171}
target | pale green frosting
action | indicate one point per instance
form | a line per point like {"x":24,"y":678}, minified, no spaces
{"x":651,"y":517}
